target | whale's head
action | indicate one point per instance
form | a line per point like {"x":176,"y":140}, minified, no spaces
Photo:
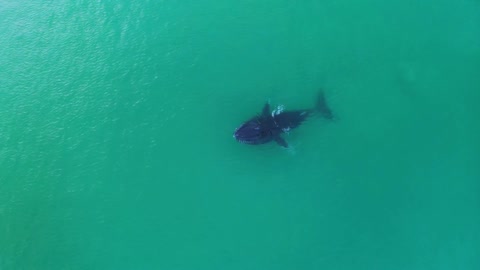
{"x":254,"y":131}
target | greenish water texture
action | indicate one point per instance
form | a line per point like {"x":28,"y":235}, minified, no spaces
{"x":116,"y":123}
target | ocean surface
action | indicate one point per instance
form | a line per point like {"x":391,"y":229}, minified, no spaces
{"x":116,"y":123}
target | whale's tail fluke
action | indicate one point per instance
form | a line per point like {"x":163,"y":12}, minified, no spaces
{"x":322,"y":107}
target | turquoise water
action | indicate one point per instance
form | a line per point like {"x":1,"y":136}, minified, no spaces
{"x":116,"y":122}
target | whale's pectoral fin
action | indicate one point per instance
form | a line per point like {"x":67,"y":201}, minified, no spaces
{"x":281,"y":141}
{"x":266,"y":109}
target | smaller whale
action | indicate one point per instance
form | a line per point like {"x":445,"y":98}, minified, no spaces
{"x":269,"y":126}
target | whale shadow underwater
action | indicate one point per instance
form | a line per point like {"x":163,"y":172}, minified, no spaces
{"x":270,"y":125}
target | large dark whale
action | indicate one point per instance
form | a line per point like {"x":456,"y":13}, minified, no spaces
{"x":269,"y":126}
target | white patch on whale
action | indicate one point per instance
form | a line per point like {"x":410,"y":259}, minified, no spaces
{"x":278,"y":110}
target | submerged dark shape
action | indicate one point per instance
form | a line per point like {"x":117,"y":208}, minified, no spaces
{"x":268,"y":126}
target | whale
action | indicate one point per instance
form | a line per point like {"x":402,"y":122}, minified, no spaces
{"x":269,"y":125}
